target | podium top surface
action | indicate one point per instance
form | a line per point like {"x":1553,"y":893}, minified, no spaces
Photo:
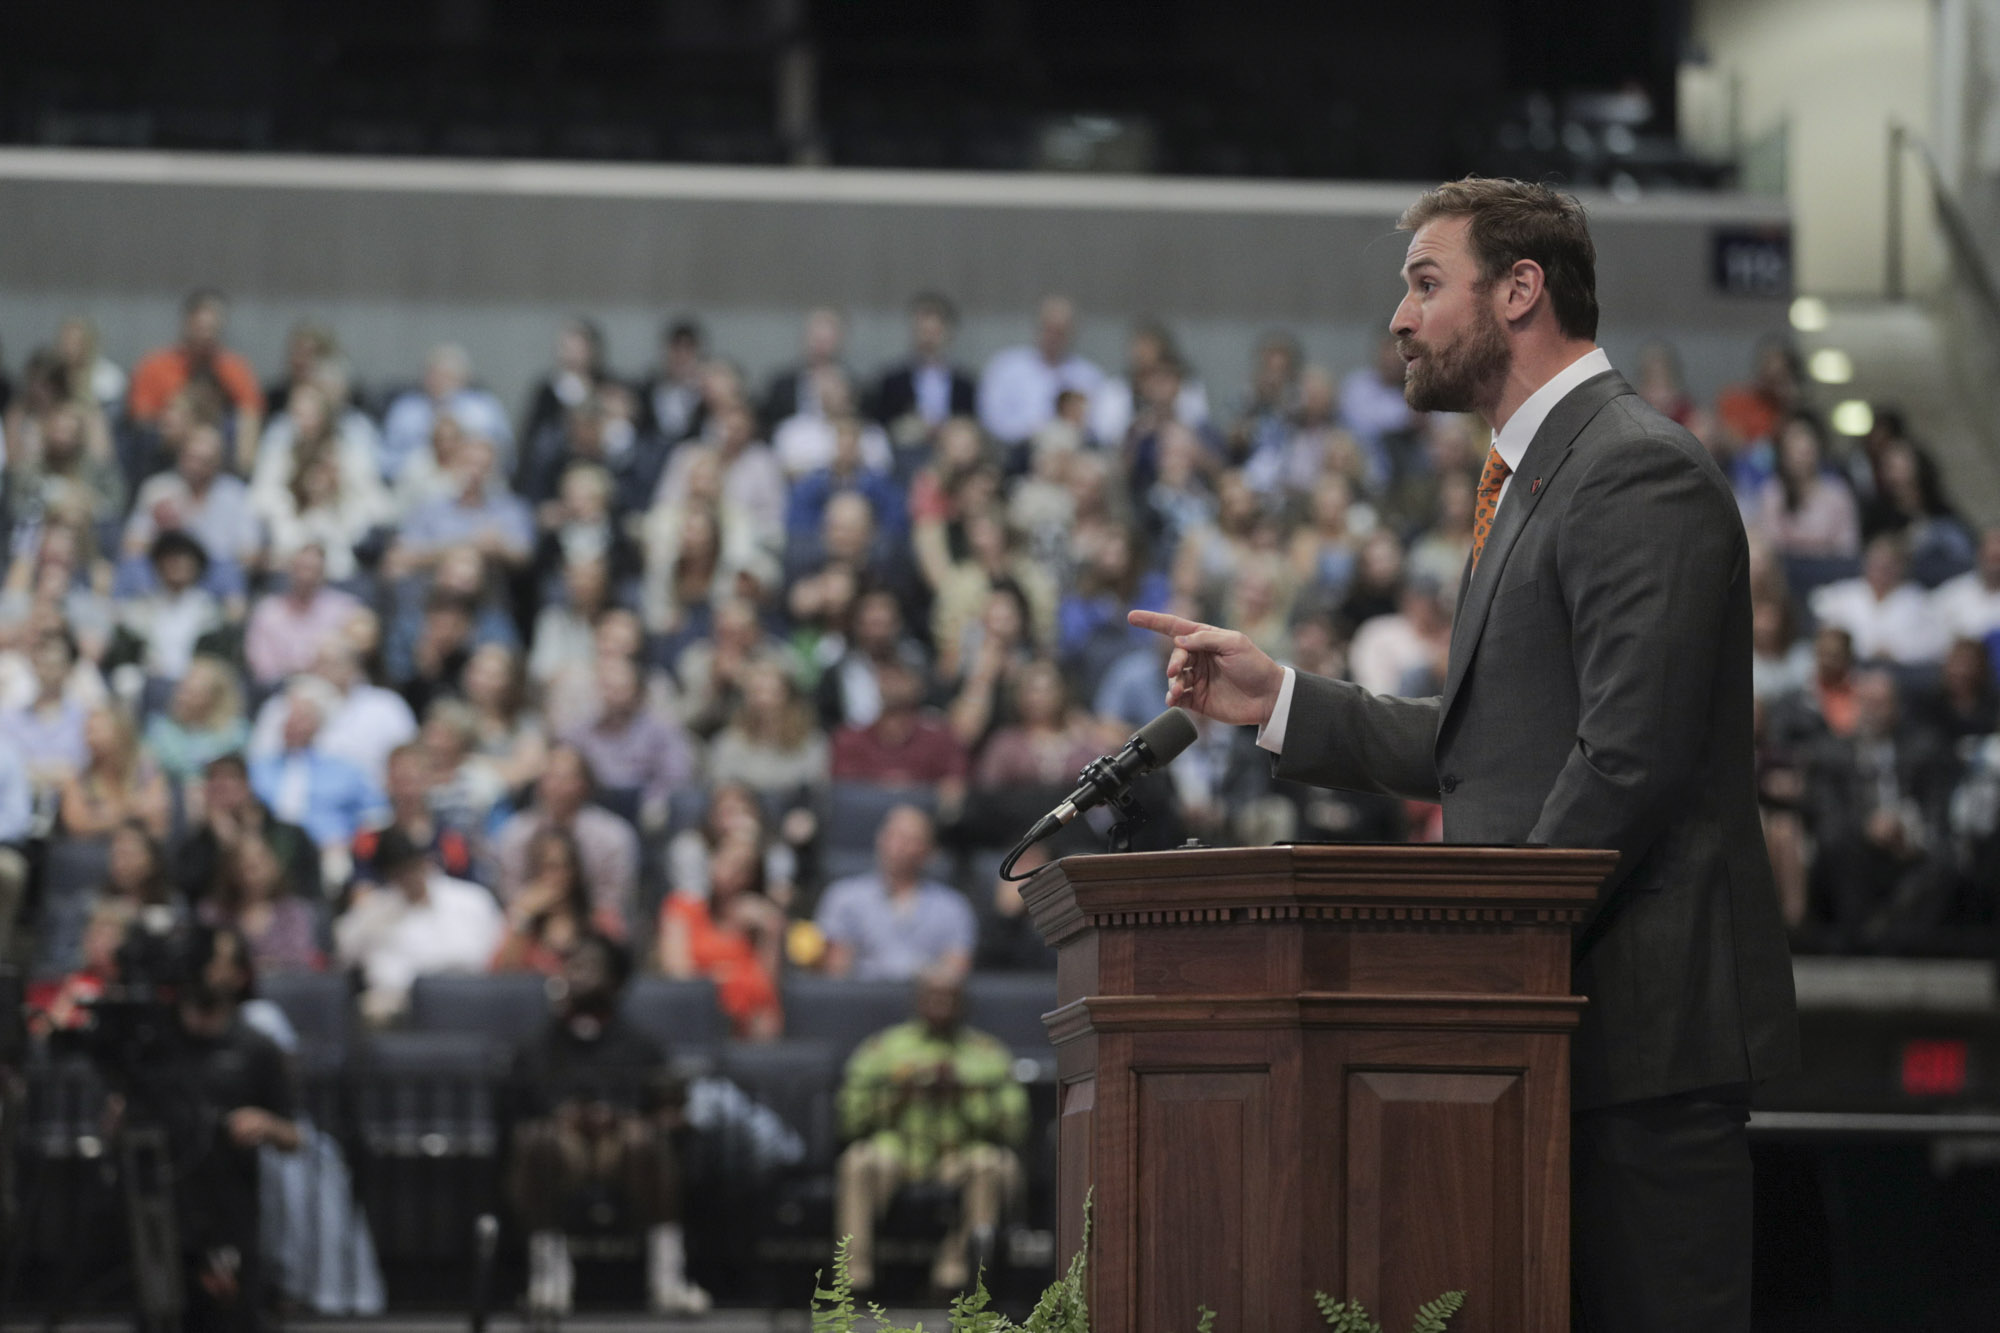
{"x":1423,"y":876}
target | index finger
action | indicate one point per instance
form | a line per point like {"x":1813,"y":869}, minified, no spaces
{"x":1160,"y":622}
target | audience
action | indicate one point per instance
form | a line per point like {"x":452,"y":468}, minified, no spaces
{"x":565,"y":799}
{"x":415,"y":922}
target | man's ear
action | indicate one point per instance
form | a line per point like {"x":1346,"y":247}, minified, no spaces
{"x":1522,"y":289}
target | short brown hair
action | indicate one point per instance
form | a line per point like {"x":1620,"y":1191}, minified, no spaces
{"x":1513,"y":220}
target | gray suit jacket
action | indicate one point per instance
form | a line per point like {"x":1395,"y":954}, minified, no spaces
{"x":1598,"y":695}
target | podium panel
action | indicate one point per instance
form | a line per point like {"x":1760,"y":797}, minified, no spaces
{"x":1331,"y":1068}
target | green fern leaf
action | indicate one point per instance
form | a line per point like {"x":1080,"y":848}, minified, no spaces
{"x":1207,"y":1321}
{"x":1431,"y":1318}
{"x":838,"y":1316}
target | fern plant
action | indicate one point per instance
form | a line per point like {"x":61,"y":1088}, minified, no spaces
{"x":1064,"y":1307}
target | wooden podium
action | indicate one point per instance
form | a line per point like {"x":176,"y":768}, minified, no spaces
{"x":1341,"y":1068}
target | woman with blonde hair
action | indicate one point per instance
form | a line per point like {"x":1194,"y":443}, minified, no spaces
{"x":203,"y":720}
{"x":116,"y":782}
{"x":772,"y":744}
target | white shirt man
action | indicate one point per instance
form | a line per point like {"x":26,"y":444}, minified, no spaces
{"x":420,"y":923}
{"x":1969,"y":605}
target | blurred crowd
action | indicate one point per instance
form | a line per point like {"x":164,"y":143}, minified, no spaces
{"x":758,"y":676}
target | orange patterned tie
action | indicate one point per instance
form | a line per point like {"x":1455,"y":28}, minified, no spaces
{"x":1491,"y":478}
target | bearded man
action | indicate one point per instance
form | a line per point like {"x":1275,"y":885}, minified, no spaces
{"x":1597,"y":695}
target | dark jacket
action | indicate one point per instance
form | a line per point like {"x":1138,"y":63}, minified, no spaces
{"x":895,"y":395}
{"x":1599,"y":696}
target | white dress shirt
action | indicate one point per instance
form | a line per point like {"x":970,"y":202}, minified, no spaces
{"x":1017,"y":392}
{"x":1512,"y":441}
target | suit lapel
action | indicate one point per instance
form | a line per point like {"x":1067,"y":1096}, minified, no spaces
{"x":1546,"y":453}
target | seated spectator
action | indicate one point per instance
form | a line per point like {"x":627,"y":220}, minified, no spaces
{"x":1377,"y":586}
{"x":1112,"y":577}
{"x":579,"y":524}
{"x":1118,"y":401}
{"x":995,"y":647}
{"x":133,"y":877}
{"x":633,"y":751}
{"x":735,"y":812}
{"x":691,"y":552}
{"x":1890,"y":618}
{"x":199,"y":498}
{"x":1440,"y":553}
{"x":906,"y":745}
{"x":461,"y":585}
{"x":809,"y":441}
{"x":565,"y":628}
{"x":1781,"y":662}
{"x":1259,"y":600}
{"x":317,"y":507}
{"x":579,"y":370}
{"x":930,"y":1100}
{"x":1259,"y":421}
{"x":564,"y":800}
{"x":223,"y":812}
{"x":771,"y":745}
{"x":747,"y":477}
{"x":994,"y":556}
{"x":1404,"y":653}
{"x":411,"y":784}
{"x":200,"y":355}
{"x":1017,"y":390}
{"x":917,"y":396}
{"x":48,"y":728}
{"x":1878,"y":801}
{"x":795,"y":389}
{"x":731,"y":935}
{"x":445,"y":641}
{"x":92,"y":375}
{"x":288,"y":628}
{"x":53,"y":584}
{"x":64,"y":1006}
{"x":552,"y":914}
{"x":1826,"y":706}
{"x":116,"y":782}
{"x":1048,"y":743}
{"x":166,"y":624}
{"x":850,"y":537}
{"x":602,"y":431}
{"x":846,"y":468}
{"x":1177,"y":501}
{"x":255,"y":898}
{"x":1910,"y":501}
{"x":601,"y":1116}
{"x":1325,"y":548}
{"x":464,"y":788}
{"x":203,"y":721}
{"x":1806,"y":509}
{"x":363,"y":721}
{"x":892,"y":923}
{"x":330,"y":797}
{"x":712,"y":670}
{"x":447,"y":392}
{"x":1755,"y":411}
{"x":417,"y":922}
{"x":1969,"y":605}
{"x":478,"y":512}
{"x":1660,"y":382}
{"x":849,"y":691}
{"x":670,"y":399}
{"x":1965,"y":703}
{"x":60,"y":462}
{"x":509,"y":734}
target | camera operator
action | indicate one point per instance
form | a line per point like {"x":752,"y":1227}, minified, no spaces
{"x":239,"y":1075}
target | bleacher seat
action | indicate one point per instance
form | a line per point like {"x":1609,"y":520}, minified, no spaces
{"x":504,"y":1007}
{"x":680,"y":1015}
{"x":74,"y":869}
{"x":1010,"y":1005}
{"x":843,"y":1012}
{"x":319,"y":1007}
{"x":796,"y":1078}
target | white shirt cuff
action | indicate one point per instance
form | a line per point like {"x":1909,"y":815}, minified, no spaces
{"x":1271,"y":736}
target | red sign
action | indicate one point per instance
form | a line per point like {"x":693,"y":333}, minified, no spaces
{"x":1934,"y":1067}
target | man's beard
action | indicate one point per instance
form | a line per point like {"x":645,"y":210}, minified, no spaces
{"x":1457,"y":376}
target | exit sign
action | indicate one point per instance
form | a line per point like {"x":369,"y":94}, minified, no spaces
{"x":1752,"y":261}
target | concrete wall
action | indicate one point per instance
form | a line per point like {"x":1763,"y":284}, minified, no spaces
{"x":398,"y":255}
{"x":1835,"y":72}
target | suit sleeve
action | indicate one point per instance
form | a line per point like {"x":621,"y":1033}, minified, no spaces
{"x":1340,"y":735}
{"x":1649,"y":549}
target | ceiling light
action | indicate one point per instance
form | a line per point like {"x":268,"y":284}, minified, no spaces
{"x":1830,"y":365}
{"x":1853,"y":417}
{"x":1809,"y":314}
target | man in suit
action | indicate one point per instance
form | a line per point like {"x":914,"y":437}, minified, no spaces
{"x":1597,"y":695}
{"x":913,"y":399}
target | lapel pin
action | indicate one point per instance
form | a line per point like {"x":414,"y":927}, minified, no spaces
{"x":1534,"y":485}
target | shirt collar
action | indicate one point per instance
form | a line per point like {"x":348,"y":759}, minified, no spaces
{"x":1519,"y":432}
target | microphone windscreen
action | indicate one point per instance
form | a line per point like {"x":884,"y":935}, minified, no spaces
{"x":1167,"y":735}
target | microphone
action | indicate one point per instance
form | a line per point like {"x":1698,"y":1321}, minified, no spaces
{"x":1108,"y":777}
